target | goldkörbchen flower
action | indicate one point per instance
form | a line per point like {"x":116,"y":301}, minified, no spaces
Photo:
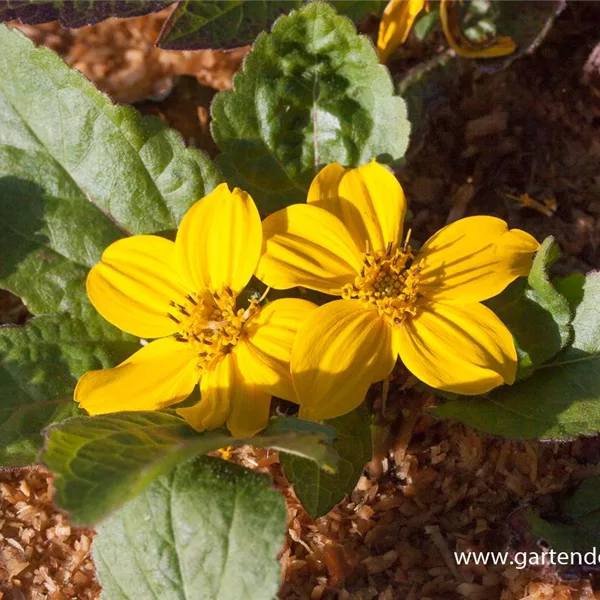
{"x":423,"y":307}
{"x":185,"y":293}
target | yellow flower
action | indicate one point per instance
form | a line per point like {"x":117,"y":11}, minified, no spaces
{"x":423,"y":307}
{"x":395,"y":25}
{"x":187,"y":290}
{"x":400,"y":15}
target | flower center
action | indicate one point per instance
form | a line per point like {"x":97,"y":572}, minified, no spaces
{"x":213,"y":326}
{"x":389,"y":281}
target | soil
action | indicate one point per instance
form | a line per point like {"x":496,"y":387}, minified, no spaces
{"x":523,"y":144}
{"x":531,"y":129}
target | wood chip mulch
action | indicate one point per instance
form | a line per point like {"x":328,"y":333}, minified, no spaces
{"x":391,"y":538}
{"x":448,"y":489}
{"x":41,"y":556}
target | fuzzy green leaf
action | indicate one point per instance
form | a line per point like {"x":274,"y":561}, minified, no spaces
{"x":41,"y":363}
{"x":319,"y":491}
{"x":231,"y":23}
{"x":561,"y":537}
{"x":77,"y":173}
{"x":571,"y":287}
{"x":76,"y":13}
{"x":311,"y":92}
{"x":579,"y":527}
{"x":585,"y":500}
{"x":208,"y":530}
{"x":561,"y":400}
{"x":537,"y":315}
{"x":100,"y":462}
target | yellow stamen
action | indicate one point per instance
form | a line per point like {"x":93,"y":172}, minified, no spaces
{"x":406,"y":245}
{"x":214,"y":328}
{"x":389,"y":281}
{"x":264,"y":295}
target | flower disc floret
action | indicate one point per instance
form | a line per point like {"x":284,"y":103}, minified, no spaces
{"x":213,"y":328}
{"x":388,"y":281}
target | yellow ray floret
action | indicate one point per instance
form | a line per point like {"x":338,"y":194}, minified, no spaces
{"x":423,"y":307}
{"x":186,"y":293}
{"x":396,"y":23}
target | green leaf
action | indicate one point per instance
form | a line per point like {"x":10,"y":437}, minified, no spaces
{"x":77,"y":173}
{"x":100,"y":462}
{"x":586,"y":323}
{"x":75,"y":13}
{"x":426,"y":23}
{"x":40,"y":365}
{"x":310,"y":93}
{"x":230,"y":23}
{"x":537,"y":315}
{"x":561,"y":400}
{"x":571,"y":287}
{"x":357,"y":10}
{"x":541,"y":291}
{"x":208,"y":530}
{"x":561,"y":537}
{"x":319,"y":491}
{"x":578,"y":529}
{"x":585,"y":500}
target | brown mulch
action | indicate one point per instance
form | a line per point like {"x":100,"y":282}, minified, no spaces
{"x":532,"y":129}
{"x":41,"y":556}
{"x":449,"y":489}
{"x":439,"y":486}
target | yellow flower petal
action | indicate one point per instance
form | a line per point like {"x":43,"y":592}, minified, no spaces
{"x":324,"y":189}
{"x":264,"y":356}
{"x":371,"y":205}
{"x":215,"y":391}
{"x":227,"y":398}
{"x":340,"y":350}
{"x":219,"y":241}
{"x":461,"y":44}
{"x":307,"y":246}
{"x":474,"y":259}
{"x":463,"y":349}
{"x":396,"y":23}
{"x":160,"y":374}
{"x":249,"y":409}
{"x":133,"y":284}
